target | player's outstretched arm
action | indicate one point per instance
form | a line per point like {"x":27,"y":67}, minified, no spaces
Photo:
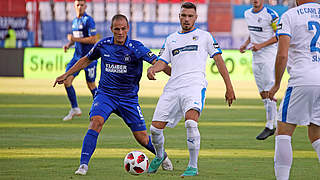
{"x":230,"y":96}
{"x":85,"y":40}
{"x":281,"y":63}
{"x":157,"y":67}
{"x":166,"y":70}
{"x":82,"y":63}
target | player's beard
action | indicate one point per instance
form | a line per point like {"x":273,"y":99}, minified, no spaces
{"x":187,"y":28}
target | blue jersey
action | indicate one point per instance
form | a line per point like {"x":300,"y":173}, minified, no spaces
{"x":83,"y":27}
{"x":121,"y":66}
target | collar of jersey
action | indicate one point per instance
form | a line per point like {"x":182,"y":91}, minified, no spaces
{"x":84,"y":14}
{"x":187,"y":32}
{"x":258,"y":11}
{"x":125,"y":44}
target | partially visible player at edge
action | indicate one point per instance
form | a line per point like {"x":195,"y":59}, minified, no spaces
{"x":299,"y":51}
{"x":84,"y":37}
{"x":184,"y":94}
{"x":121,"y":70}
{"x":262,"y":26}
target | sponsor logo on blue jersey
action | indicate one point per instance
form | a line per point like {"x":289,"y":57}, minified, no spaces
{"x":116,"y":68}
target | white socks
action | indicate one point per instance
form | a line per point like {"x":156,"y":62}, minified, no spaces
{"x":157,"y":140}
{"x":193,"y":141}
{"x":282,"y":157}
{"x":271,"y":112}
{"x":316,"y":147}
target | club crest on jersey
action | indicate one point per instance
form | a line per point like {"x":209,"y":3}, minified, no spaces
{"x":195,"y":38}
{"x":127,"y":58}
{"x":80,"y":26}
{"x":259,"y":19}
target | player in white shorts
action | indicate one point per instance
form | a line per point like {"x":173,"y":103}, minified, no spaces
{"x":262,"y":25}
{"x":299,"y":50}
{"x":184,"y":94}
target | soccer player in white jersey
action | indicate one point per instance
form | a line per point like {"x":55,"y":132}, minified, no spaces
{"x":299,"y":50}
{"x":184,"y":94}
{"x":262,"y":25}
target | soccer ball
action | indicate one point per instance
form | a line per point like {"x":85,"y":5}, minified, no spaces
{"x":136,"y":163}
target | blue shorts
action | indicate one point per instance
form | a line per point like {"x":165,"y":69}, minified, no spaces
{"x":127,"y":108}
{"x":91,"y":70}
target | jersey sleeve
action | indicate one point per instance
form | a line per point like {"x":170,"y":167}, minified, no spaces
{"x":91,"y":27}
{"x":283,"y":28}
{"x":145,"y":54}
{"x":164,"y":54}
{"x":94,"y":53}
{"x":213,"y":46}
{"x":274,"y":18}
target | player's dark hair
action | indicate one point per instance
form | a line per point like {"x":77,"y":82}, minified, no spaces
{"x":79,"y":0}
{"x":189,"y":5}
{"x":117,"y":17}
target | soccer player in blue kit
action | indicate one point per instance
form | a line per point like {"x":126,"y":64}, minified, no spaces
{"x":84,"y":37}
{"x":121,"y":70}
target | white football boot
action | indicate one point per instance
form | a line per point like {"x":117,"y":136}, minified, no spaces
{"x":167,"y":165}
{"x":73,"y":112}
{"x":83,"y":169}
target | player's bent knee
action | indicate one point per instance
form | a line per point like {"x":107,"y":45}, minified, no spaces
{"x":191,"y":124}
{"x":155,"y":130}
{"x":142,"y":137}
{"x":192,"y":114}
{"x":96,"y":123}
{"x":159,"y":124}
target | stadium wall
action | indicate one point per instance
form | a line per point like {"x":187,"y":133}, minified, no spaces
{"x":11,"y":62}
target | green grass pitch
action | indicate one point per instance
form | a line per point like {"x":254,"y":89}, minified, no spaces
{"x":37,"y":144}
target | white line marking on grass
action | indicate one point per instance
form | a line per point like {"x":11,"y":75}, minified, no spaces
{"x":121,"y":152}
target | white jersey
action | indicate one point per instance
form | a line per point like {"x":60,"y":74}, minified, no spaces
{"x":262,"y":25}
{"x":302,"y":24}
{"x":188,"y":53}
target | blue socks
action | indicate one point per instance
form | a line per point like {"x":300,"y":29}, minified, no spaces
{"x":150,"y":147}
{"x":93,"y":92}
{"x":88,"y":146}
{"x":72,"y":96}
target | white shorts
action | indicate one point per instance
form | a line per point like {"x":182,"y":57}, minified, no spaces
{"x":173,"y":105}
{"x":264,"y":75}
{"x":301,"y":105}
